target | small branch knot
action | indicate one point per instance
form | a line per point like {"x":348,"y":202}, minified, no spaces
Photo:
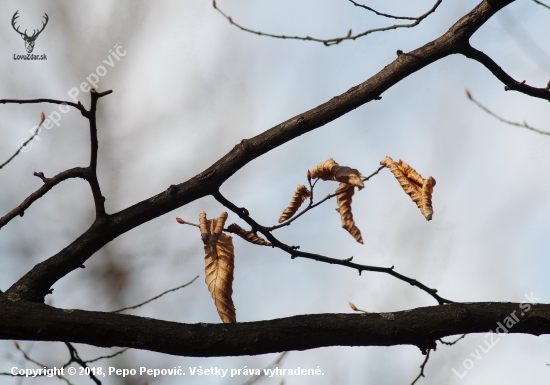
{"x":41,"y":176}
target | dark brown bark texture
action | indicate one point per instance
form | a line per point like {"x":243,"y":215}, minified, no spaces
{"x":23,"y":315}
{"x":421,"y":327}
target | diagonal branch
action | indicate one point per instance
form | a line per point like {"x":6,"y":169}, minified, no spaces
{"x":541,"y":3}
{"x":312,"y":205}
{"x":511,"y":84}
{"x":337,"y":40}
{"x":294,"y":252}
{"x":421,"y":327}
{"x":524,"y":125}
{"x":36,"y":284}
{"x":422,"y":367}
{"x":155,"y":297}
{"x":22,"y":146}
{"x":75,"y":357}
{"x":49,"y":183}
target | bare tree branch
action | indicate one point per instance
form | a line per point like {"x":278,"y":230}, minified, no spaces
{"x":541,"y":3}
{"x":78,"y":106}
{"x":337,"y":40}
{"x":422,"y":367}
{"x":421,"y":327}
{"x":397,"y":17}
{"x":49,"y":183}
{"x":312,"y":205}
{"x":99,"y":199}
{"x":76,"y":358}
{"x":37,"y":283}
{"x":156,"y":297}
{"x":452,"y":342}
{"x":40,"y":365}
{"x":511,"y":84}
{"x":294,"y":252}
{"x":24,"y":144}
{"x":107,"y":356}
{"x":524,"y":125}
{"x":270,"y":366}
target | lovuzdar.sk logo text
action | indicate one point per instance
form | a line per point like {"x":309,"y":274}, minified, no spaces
{"x":30,"y":40}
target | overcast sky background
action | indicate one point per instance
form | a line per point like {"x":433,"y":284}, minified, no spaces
{"x":191,"y":86}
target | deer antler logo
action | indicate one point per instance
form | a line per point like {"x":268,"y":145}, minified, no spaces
{"x":29,"y":40}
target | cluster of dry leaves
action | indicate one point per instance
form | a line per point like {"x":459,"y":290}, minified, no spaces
{"x":219,"y":253}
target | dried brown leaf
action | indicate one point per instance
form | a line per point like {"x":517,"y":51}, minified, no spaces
{"x":300,"y":195}
{"x":419,"y":189}
{"x":219,"y":265}
{"x":247,"y":235}
{"x":344,"y":208}
{"x":330,"y":170}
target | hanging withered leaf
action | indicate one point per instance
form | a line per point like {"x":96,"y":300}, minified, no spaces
{"x":300,"y":195}
{"x":419,"y":189}
{"x":330,"y":170}
{"x":247,"y":235}
{"x":219,"y":259}
{"x":345,"y":192}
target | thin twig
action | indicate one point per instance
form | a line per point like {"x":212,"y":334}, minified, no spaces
{"x":294,"y":252}
{"x":383,"y":14}
{"x":524,"y":125}
{"x":510,"y":83}
{"x":355,"y":308}
{"x":49,"y":183}
{"x":182,"y":222}
{"x":42,"y":366}
{"x":24,"y":144}
{"x":422,"y":367}
{"x":336,"y":40}
{"x":108,"y":356}
{"x":264,"y":371}
{"x":312,"y":205}
{"x":156,"y":297}
{"x":541,"y":3}
{"x":452,"y":342}
{"x":76,"y":358}
{"x":34,"y":101}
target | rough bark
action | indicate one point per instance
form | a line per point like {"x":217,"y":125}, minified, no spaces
{"x":420,"y":327}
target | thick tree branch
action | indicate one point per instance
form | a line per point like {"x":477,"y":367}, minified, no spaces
{"x":511,"y":84}
{"x":420,"y":327}
{"x":49,"y":183}
{"x":37,"y":283}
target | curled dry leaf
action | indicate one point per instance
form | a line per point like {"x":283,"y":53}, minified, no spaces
{"x":247,"y":235}
{"x":300,"y":195}
{"x":345,"y":192}
{"x":330,"y":170}
{"x":219,"y":258}
{"x":419,"y":189}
